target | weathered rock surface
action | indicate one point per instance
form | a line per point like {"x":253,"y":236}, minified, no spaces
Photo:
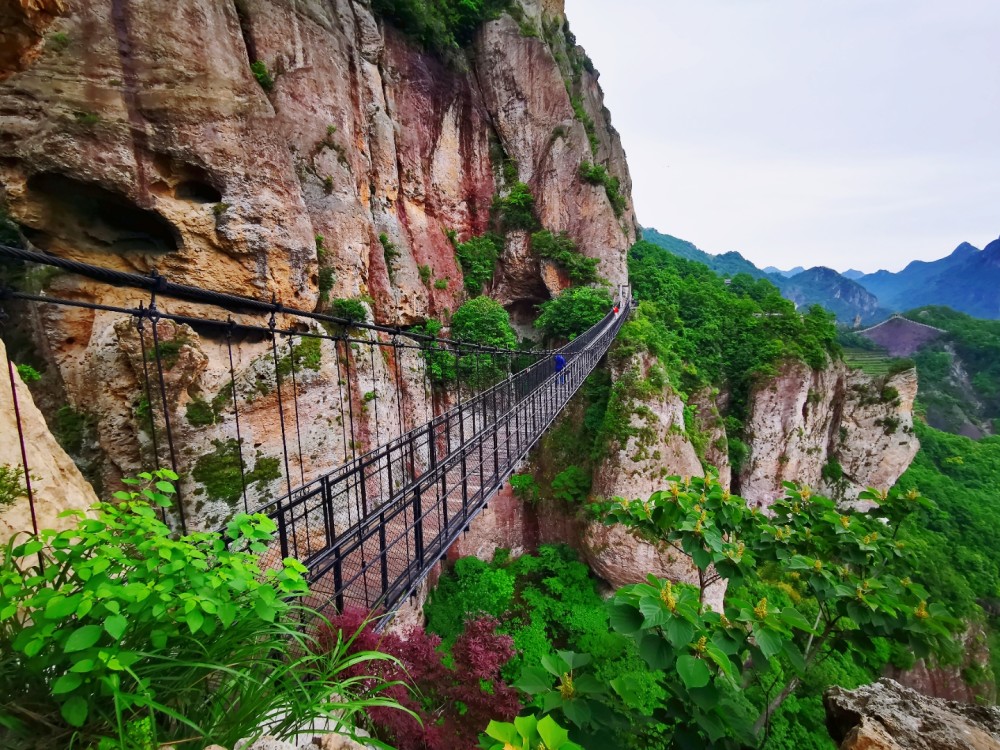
{"x":135,"y":136}
{"x":656,"y":445}
{"x":804,"y":420}
{"x":621,"y":558}
{"x":56,"y":483}
{"x":887,"y":716}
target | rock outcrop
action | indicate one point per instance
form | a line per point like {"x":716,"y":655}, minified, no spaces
{"x":836,"y":430}
{"x":888,"y":716}
{"x":56,"y":483}
{"x":653,"y":443}
{"x":135,"y":136}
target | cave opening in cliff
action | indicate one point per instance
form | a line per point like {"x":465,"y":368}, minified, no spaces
{"x":89,"y":216}
{"x":523,"y":313}
{"x":197,"y":191}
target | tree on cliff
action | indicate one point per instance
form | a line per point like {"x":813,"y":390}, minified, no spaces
{"x":804,"y":582}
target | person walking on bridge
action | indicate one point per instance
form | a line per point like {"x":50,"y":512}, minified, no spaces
{"x":560,"y":362}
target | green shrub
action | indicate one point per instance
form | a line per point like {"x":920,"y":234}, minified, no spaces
{"x":425,"y":274}
{"x":588,"y":123}
{"x":438,"y":359}
{"x":889,"y":393}
{"x":442,"y":26}
{"x":391,"y":255}
{"x":260,"y":72}
{"x":738,"y":454}
{"x":325,"y":283}
{"x":349,"y":309}
{"x":28,"y":373}
{"x":900,"y":365}
{"x":597,"y":174}
{"x":832,"y":471}
{"x":482,"y":321}
{"x":525,"y":487}
{"x":571,"y":485}
{"x":516,"y":210}
{"x":441,"y":283}
{"x":308,"y":353}
{"x":478,"y":259}
{"x":86,"y":118}
{"x":71,"y":428}
{"x":58,"y":41}
{"x":10,"y":234}
{"x":475,"y":589}
{"x":573,"y":312}
{"x":562,"y":249}
{"x":135,"y":638}
{"x":320,"y":247}
{"x":168,"y":351}
{"x":12,"y":485}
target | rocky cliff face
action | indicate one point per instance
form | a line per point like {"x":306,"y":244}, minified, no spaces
{"x":56,"y":483}
{"x":135,"y":136}
{"x":888,"y":716}
{"x":836,"y":430}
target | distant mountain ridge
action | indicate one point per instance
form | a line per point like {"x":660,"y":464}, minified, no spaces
{"x":787,"y":274}
{"x":847,"y":299}
{"x":967,"y":280}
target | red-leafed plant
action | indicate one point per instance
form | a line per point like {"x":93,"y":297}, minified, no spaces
{"x":455,"y":698}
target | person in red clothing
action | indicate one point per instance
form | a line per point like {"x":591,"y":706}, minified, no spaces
{"x":616,"y":309}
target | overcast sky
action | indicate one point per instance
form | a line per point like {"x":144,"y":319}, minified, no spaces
{"x":845,"y":133}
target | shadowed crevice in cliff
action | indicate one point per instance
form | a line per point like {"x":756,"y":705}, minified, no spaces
{"x":246,"y":30}
{"x":83,"y":214}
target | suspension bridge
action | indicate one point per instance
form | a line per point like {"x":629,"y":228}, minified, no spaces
{"x":370,"y":529}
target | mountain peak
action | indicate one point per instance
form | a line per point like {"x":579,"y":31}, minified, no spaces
{"x":964,"y":250}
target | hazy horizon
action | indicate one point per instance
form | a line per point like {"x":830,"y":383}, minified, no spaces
{"x":850,"y":135}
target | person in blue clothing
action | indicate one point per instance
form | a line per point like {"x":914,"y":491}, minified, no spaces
{"x":560,"y":364}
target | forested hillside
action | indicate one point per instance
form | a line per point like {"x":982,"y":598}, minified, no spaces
{"x":706,"y":331}
{"x":960,"y":372}
{"x":847,"y":299}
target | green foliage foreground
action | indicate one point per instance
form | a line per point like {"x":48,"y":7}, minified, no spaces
{"x":116,"y":634}
{"x":807,"y":585}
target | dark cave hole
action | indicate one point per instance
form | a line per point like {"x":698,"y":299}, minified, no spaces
{"x":80,"y":210}
{"x":197,"y":191}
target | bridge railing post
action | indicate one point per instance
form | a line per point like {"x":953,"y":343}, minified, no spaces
{"x":418,"y":526}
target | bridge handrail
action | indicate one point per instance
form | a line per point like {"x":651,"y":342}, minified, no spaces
{"x":303,"y":493}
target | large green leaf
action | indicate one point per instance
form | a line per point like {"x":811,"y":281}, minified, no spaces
{"x":655,"y":651}
{"x":82,"y":638}
{"x":534,"y":680}
{"x":693,"y":671}
{"x":679,"y":632}
{"x":75,"y":711}
{"x":577,"y":711}
{"x":625,"y":618}
{"x":553,"y":735}
{"x":769,"y":641}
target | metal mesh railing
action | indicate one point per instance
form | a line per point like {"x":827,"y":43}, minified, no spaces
{"x":412,"y":468}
